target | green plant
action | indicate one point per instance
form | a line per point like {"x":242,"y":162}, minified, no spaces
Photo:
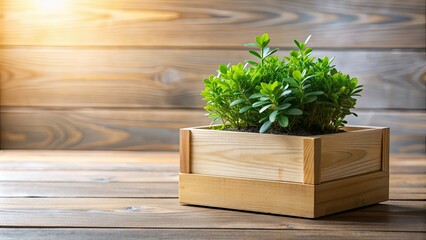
{"x":296,"y":94}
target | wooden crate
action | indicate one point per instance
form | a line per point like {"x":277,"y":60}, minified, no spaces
{"x":290,"y":175}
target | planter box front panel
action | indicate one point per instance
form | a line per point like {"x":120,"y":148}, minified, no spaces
{"x":246,"y":155}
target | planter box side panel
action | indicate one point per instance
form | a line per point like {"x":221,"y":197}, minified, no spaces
{"x":292,"y":199}
{"x":247,"y":155}
{"x":350,"y":154}
{"x":349,"y":193}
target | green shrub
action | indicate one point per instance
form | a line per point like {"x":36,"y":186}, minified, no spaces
{"x":296,"y":94}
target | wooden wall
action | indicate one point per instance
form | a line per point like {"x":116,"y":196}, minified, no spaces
{"x":125,"y":74}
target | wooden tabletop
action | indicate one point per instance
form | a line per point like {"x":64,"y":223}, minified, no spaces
{"x":133,"y":195}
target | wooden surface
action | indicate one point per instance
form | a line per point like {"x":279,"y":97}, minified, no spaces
{"x":59,"y":210}
{"x":247,"y":155}
{"x":65,"y":65}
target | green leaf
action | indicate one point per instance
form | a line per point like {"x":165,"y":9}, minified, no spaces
{"x":297,"y":75}
{"x":256,"y":95}
{"x":258,"y":104}
{"x":245,"y":109}
{"x":252,"y":62}
{"x":291,"y":82}
{"x":294,"y":111}
{"x":254,"y":53}
{"x":265,"y":127}
{"x":264,"y":108}
{"x":283,"y":121}
{"x":283,"y":106}
{"x":238,"y":101}
{"x":316,"y":93}
{"x":273,"y":116}
{"x":297,"y":43}
{"x":223,"y":69}
{"x":310,"y":99}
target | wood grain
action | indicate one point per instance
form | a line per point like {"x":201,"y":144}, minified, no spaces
{"x":202,"y":234}
{"x":119,"y":129}
{"x":92,"y":176}
{"x":245,"y":194}
{"x":350,"y":153}
{"x":167,"y":213}
{"x":311,"y":161}
{"x":366,"y":24}
{"x":349,"y":193}
{"x":185,"y":150}
{"x":247,"y":155}
{"x":167,"y":78}
{"x":88,"y":189}
{"x":29,"y":128}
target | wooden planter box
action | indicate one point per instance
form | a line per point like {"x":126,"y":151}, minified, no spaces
{"x":291,"y":175}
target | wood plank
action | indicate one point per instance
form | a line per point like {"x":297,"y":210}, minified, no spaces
{"x":95,"y":129}
{"x":146,"y":161}
{"x":408,"y":186}
{"x":377,"y":24}
{"x":184,"y":234}
{"x":247,"y":155}
{"x":137,"y":129}
{"x":350,"y":153}
{"x":349,"y":193}
{"x":88,"y":189}
{"x":167,"y":78}
{"x":244,"y":194}
{"x":167,"y":213}
{"x":92,"y":176}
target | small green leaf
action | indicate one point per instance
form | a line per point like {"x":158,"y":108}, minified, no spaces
{"x":264,"y":108}
{"x":254,"y":53}
{"x":238,"y":101}
{"x":265,"y":127}
{"x":223,"y":69}
{"x":283,"y":121}
{"x":252,"y":62}
{"x":294,"y":111}
{"x":297,"y":75}
{"x":256,"y":95}
{"x":273,"y":116}
{"x":316,"y":93}
{"x":310,"y":99}
{"x":245,"y":109}
{"x":283,"y":106}
{"x":258,"y":104}
{"x":297,"y":43}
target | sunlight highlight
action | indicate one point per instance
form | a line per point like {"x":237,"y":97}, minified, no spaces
{"x":52,"y":6}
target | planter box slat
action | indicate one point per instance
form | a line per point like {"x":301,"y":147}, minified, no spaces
{"x":352,"y":192}
{"x":247,"y":194}
{"x":247,"y":155}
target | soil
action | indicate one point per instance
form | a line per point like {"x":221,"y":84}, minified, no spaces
{"x":299,"y":132}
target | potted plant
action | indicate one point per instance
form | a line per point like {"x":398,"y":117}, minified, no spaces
{"x":283,"y":146}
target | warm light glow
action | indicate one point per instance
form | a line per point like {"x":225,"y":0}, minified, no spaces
{"x":52,"y":6}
